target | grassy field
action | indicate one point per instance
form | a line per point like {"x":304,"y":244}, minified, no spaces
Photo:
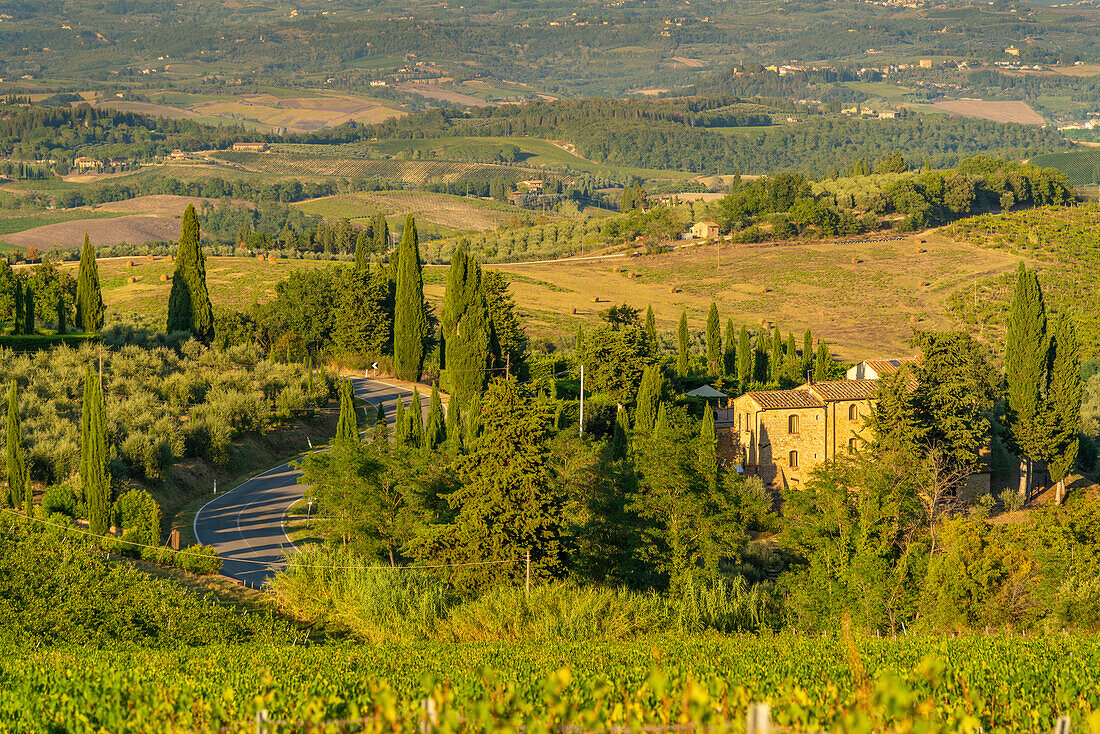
{"x":235,"y":282}
{"x":1019,"y":112}
{"x":863,"y":298}
{"x":454,"y":213}
{"x":16,"y":229}
{"x":296,"y":111}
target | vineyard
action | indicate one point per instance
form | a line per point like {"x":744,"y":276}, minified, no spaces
{"x":1064,"y":244}
{"x":1082,"y":168}
{"x":413,"y":173}
{"x":1000,"y":683}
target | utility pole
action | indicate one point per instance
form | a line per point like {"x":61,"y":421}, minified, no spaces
{"x":527,"y":589}
{"x":582,"y":400}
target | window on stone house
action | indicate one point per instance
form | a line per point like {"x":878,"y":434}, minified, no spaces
{"x":792,"y":459}
{"x":853,"y":412}
{"x":853,"y":445}
{"x":792,"y":424}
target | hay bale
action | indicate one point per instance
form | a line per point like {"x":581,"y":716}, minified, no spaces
{"x":855,"y":261}
{"x":131,"y":279}
{"x":129,"y":263}
{"x":921,"y":251}
{"x":595,"y":299}
{"x":924,"y":284}
{"x":573,"y":310}
{"x":673,"y":289}
{"x":149,"y":257}
{"x":164,"y":276}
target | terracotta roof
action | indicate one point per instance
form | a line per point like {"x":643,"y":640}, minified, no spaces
{"x":772,"y":399}
{"x":888,"y":366}
{"x":831,"y":390}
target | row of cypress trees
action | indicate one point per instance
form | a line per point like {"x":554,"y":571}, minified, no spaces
{"x":95,"y":475}
{"x":763,"y":358}
{"x":1043,"y":381}
{"x":89,"y":300}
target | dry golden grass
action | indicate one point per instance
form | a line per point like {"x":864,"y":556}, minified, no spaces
{"x":1019,"y":112}
{"x":162,"y":205}
{"x":863,"y":298}
{"x":134,"y":229}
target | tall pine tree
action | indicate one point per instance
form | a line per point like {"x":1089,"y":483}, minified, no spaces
{"x":454,"y":427}
{"x":19,"y":485}
{"x":435,"y":432}
{"x":18,"y":308}
{"x":651,"y":325}
{"x":400,"y":424}
{"x":649,"y":395}
{"x":362,"y":250}
{"x":62,"y":315}
{"x":415,"y":415}
{"x":744,"y":357}
{"x":823,"y":362}
{"x":807,"y":351}
{"x":347,"y":427}
{"x":1064,"y":399}
{"x":714,"y":340}
{"x":28,"y":310}
{"x":410,"y":320}
{"x":466,"y":327}
{"x":380,"y":230}
{"x":729,"y":354}
{"x":89,"y":299}
{"x":775,"y":361}
{"x":95,"y":478}
{"x":683,"y":352}
{"x":189,"y":302}
{"x":1027,"y":348}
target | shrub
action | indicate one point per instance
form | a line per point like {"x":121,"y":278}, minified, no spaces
{"x":201,"y":559}
{"x":59,"y":498}
{"x":138,"y":514}
{"x":1012,"y":499}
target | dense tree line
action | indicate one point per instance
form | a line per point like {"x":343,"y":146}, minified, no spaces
{"x":38,"y":132}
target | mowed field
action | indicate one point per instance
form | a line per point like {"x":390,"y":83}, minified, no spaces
{"x":131,"y":229}
{"x":1019,"y":112}
{"x":453,"y":212}
{"x":234,"y":282}
{"x":302,"y":113}
{"x":863,"y":298}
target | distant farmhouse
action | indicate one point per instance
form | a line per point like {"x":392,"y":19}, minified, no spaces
{"x":704,"y":230}
{"x":250,"y":147}
{"x":783,"y":435}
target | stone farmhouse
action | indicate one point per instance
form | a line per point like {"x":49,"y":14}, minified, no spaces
{"x":782,"y":435}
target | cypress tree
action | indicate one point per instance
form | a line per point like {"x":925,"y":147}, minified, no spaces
{"x":473,"y":423}
{"x":89,"y":299}
{"x":189,"y":302}
{"x":410,"y":321}
{"x":823,"y":361}
{"x":381,"y":434}
{"x":95,"y":479}
{"x":651,"y":325}
{"x":20,"y":313}
{"x":1027,"y":349}
{"x":1064,"y":397}
{"x":435,"y":433}
{"x":466,"y":327}
{"x":760,"y":357}
{"x":347,"y":427}
{"x":807,"y":351}
{"x":19,"y":485}
{"x":744,"y":357}
{"x":791,"y":349}
{"x":362,"y":251}
{"x":400,"y":424}
{"x":414,"y":435}
{"x":660,"y":425}
{"x":28,"y":310}
{"x":620,"y":438}
{"x":714,"y":339}
{"x":708,"y":448}
{"x":380,"y":229}
{"x":775,"y":365}
{"x":579,"y":346}
{"x":729,"y":355}
{"x":62,"y":327}
{"x":683,"y":362}
{"x":649,"y":395}
{"x":454,"y":427}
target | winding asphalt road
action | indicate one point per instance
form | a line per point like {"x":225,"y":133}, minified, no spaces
{"x":245,"y":524}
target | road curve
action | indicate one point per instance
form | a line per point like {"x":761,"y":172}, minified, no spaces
{"x":245,"y":524}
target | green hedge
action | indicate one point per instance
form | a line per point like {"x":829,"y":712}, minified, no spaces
{"x":34,"y":342}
